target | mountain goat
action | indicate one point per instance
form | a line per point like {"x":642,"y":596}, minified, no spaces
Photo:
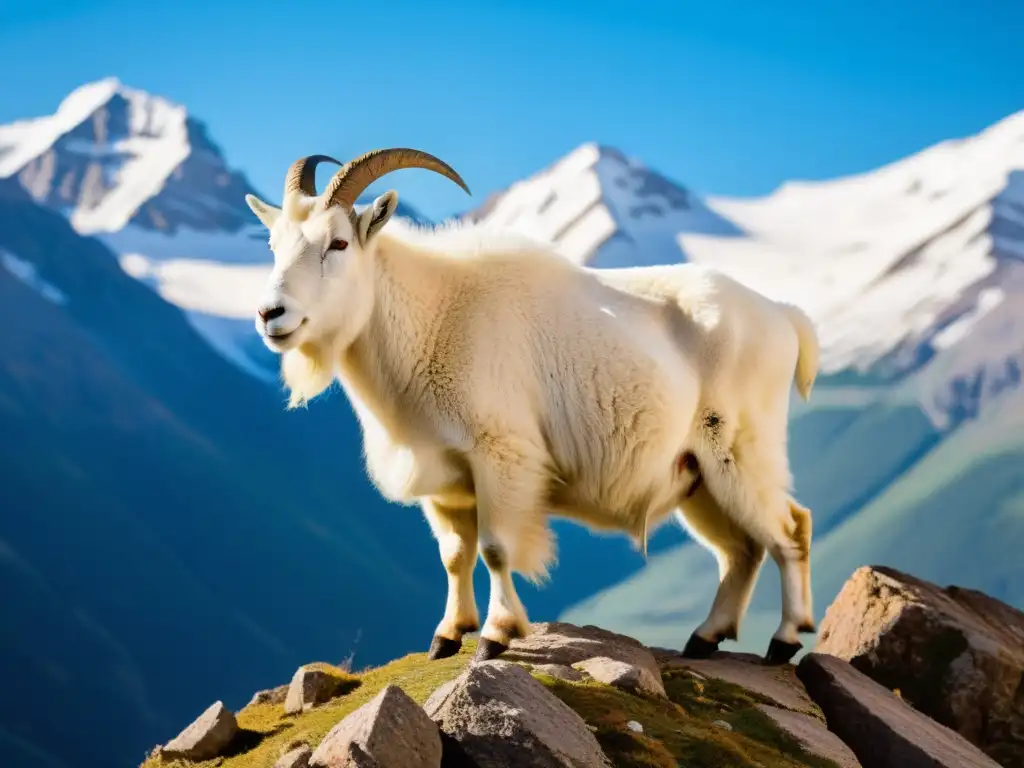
{"x":497,"y":383}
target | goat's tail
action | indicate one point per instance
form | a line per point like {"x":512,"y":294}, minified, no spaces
{"x":809,"y":355}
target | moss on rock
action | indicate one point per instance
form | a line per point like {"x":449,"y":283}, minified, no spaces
{"x":679,"y":730}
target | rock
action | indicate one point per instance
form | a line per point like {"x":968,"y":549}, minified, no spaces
{"x":813,"y":736}
{"x":295,"y":758}
{"x":567,"y":645}
{"x":955,"y":654}
{"x":622,"y":675}
{"x":559,"y":671}
{"x":634,"y":726}
{"x":207,"y":737}
{"x":391,"y":731}
{"x":500,"y":716}
{"x":311,"y":685}
{"x":722,"y":724}
{"x":882,"y":730}
{"x":777,"y":683}
{"x":270,"y":696}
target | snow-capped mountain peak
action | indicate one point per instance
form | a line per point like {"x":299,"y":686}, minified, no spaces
{"x":111,"y":155}
{"x":603,"y":208}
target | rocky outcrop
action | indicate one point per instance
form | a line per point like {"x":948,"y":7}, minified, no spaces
{"x":628,"y":677}
{"x":206,"y":737}
{"x":777,"y":684}
{"x":296,"y":757}
{"x":500,"y":716}
{"x":582,"y":697}
{"x":881,"y":729}
{"x":275,"y":695}
{"x":815,"y":738}
{"x":606,"y":656}
{"x":955,"y":654}
{"x":391,"y":731}
{"x":312,"y":685}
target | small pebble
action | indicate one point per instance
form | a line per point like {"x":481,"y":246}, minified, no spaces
{"x":634,"y":726}
{"x":722,"y":724}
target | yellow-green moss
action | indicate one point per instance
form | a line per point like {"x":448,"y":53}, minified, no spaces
{"x":680,"y":731}
{"x":266,"y":732}
{"x":677,"y":731}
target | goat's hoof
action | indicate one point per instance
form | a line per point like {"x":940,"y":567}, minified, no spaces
{"x":780,"y":652}
{"x":807,"y":628}
{"x":699,"y":648}
{"x":489,"y":649}
{"x":443,"y":648}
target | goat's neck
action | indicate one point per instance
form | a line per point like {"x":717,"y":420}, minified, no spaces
{"x":379,"y":366}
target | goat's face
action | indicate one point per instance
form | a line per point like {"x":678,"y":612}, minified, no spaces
{"x":321,"y":285}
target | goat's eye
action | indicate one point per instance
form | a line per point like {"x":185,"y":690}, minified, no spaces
{"x":338,"y":245}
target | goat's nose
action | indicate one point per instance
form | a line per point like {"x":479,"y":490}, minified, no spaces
{"x":270,"y":314}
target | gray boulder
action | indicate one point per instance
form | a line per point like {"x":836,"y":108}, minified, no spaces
{"x":568,"y":645}
{"x":500,"y":716}
{"x":391,"y":731}
{"x":621,"y":674}
{"x":882,"y":729}
{"x":206,"y":737}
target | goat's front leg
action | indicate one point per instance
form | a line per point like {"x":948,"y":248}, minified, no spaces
{"x":456,"y":532}
{"x":513,"y":536}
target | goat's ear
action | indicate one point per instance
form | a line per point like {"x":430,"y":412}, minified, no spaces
{"x":376,"y":216}
{"x":265,"y":212}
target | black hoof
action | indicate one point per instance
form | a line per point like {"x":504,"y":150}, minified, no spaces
{"x":699,"y":648}
{"x":443,"y":648}
{"x":489,"y":649}
{"x":780,"y":652}
{"x":807,"y":628}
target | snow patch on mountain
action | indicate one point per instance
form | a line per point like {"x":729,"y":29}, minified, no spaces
{"x":24,"y":140}
{"x":601,"y":208}
{"x":895,"y":265}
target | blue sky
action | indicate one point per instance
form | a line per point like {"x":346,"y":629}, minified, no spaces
{"x":726,"y":97}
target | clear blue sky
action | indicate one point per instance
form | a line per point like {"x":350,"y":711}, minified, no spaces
{"x":724,"y":96}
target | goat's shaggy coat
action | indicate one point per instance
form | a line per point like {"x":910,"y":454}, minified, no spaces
{"x":497,"y":383}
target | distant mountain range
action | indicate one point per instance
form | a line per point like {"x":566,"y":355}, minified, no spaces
{"x":160,"y":551}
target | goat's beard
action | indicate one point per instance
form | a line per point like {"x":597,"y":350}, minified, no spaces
{"x":307,"y":372}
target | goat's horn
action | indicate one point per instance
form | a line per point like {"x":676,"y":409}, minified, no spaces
{"x":354,"y":177}
{"x":302,"y":175}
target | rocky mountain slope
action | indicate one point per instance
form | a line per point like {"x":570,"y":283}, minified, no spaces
{"x":907,"y":676}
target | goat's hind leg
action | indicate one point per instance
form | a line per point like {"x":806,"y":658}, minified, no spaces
{"x":456,"y":532}
{"x":749,"y":478}
{"x":739,"y":561}
{"x":790,"y":548}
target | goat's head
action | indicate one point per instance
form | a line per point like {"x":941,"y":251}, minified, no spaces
{"x":321,"y":287}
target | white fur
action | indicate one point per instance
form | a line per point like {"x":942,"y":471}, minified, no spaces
{"x":497,"y":383}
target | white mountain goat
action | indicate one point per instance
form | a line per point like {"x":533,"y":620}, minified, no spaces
{"x":498,"y":383}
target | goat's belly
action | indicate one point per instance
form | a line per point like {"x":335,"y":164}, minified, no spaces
{"x":403,"y":474}
{"x":630,"y":507}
